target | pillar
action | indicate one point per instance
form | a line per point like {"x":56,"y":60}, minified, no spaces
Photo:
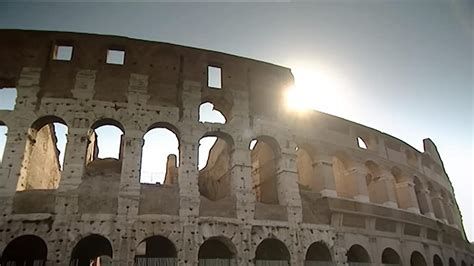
{"x":188,"y":176}
{"x":324,"y":176}
{"x":406,"y":196}
{"x":424,"y":203}
{"x":359,"y":184}
{"x":287,"y":186}
{"x":241,"y":184}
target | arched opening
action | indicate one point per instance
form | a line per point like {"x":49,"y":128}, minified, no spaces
{"x":361,"y":143}
{"x":215,"y":166}
{"x":272,"y":252}
{"x":3,"y":139}
{"x":215,"y":251}
{"x":209,"y":114}
{"x":437,"y":260}
{"x":105,"y":140}
{"x":92,"y":249}
{"x":452,"y":262}
{"x":156,"y":250}
{"x":357,"y":254}
{"x":390,"y":257}
{"x":381,"y":188}
{"x":343,"y":178}
{"x":160,"y":155}
{"x":463,"y":263}
{"x":304,"y":166}
{"x":416,"y":259}
{"x":265,"y":156}
{"x":317,"y":253}
{"x":8,"y":96}
{"x":44,"y":154}
{"x":27,"y":250}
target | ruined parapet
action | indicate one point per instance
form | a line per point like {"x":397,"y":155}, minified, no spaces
{"x":305,"y":190}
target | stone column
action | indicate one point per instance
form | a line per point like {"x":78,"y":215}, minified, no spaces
{"x":406,"y":196}
{"x":438,"y":206}
{"x":448,"y":209}
{"x":425,"y":203}
{"x":324,"y":176}
{"x":357,"y":176}
{"x":288,"y":191}
{"x":12,"y":164}
{"x":188,"y":176}
{"x":73,"y":170}
{"x":241,"y":183}
{"x":129,"y":193}
{"x":385,"y":188}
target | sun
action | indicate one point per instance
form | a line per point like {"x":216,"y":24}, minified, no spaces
{"x":316,"y":89}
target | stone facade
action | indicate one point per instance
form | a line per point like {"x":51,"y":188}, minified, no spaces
{"x":306,"y":192}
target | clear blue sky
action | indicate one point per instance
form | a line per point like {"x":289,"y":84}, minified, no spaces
{"x":403,"y":67}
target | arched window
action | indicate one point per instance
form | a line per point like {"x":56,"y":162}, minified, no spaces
{"x":91,"y":249}
{"x":452,"y":262}
{"x":8,"y":96}
{"x":272,"y":252}
{"x":214,"y":166}
{"x":390,"y":256}
{"x":437,"y":261}
{"x":156,"y":250}
{"x":416,"y":259}
{"x":27,"y":250}
{"x":318,"y":252}
{"x":361,"y":143}
{"x":216,"y":251}
{"x":304,"y":166}
{"x":160,"y":155}
{"x":3,"y":139}
{"x":44,"y":154}
{"x":357,"y":254}
{"x":208,"y":113}
{"x":265,"y":156}
{"x":105,"y":140}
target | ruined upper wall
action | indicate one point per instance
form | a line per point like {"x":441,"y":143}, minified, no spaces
{"x":166,"y":66}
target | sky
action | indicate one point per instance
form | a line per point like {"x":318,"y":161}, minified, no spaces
{"x":402,"y":67}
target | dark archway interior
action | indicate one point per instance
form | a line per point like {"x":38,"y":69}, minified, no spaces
{"x":158,"y":247}
{"x":452,"y":262}
{"x":437,"y":261}
{"x":417,"y":259}
{"x":357,"y":254}
{"x":390,"y":256}
{"x":318,"y":252}
{"x":26,"y":251}
{"x":272,"y":249}
{"x":90,"y":248}
{"x":214,"y":249}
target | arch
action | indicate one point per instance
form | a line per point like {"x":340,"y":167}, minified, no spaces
{"x":452,"y":262}
{"x":91,"y":248}
{"x":343,"y":179}
{"x":318,"y":251}
{"x":304,"y":167}
{"x":27,"y":250}
{"x":357,"y":253}
{"x":417,"y":259}
{"x":361,"y":143}
{"x":156,"y":250}
{"x":437,"y":261}
{"x":390,"y":256}
{"x":210,"y":114}
{"x":165,"y":125}
{"x":214,"y":166}
{"x":44,"y":154}
{"x":105,"y":140}
{"x":216,"y":251}
{"x":160,"y":155}
{"x":463,"y":263}
{"x":271,"y":249}
{"x":265,"y":158}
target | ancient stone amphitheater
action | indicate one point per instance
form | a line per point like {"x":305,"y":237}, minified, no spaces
{"x":279,"y":188}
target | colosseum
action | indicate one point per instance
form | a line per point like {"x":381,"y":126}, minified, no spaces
{"x":279,"y":187}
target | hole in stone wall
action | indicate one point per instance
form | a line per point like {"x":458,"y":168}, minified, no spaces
{"x":44,"y":154}
{"x":3,"y":139}
{"x":155,"y":250}
{"x":160,"y":157}
{"x":214,"y":252}
{"x":214,"y":167}
{"x":318,"y":252}
{"x":208,"y":113}
{"x":8,"y":98}
{"x":361,"y":143}
{"x":272,"y":250}
{"x":62,"y":52}
{"x":357,"y":254}
{"x":92,"y":250}
{"x":115,"y":57}
{"x":390,"y":257}
{"x":214,"y":77}
{"x":25,"y":250}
